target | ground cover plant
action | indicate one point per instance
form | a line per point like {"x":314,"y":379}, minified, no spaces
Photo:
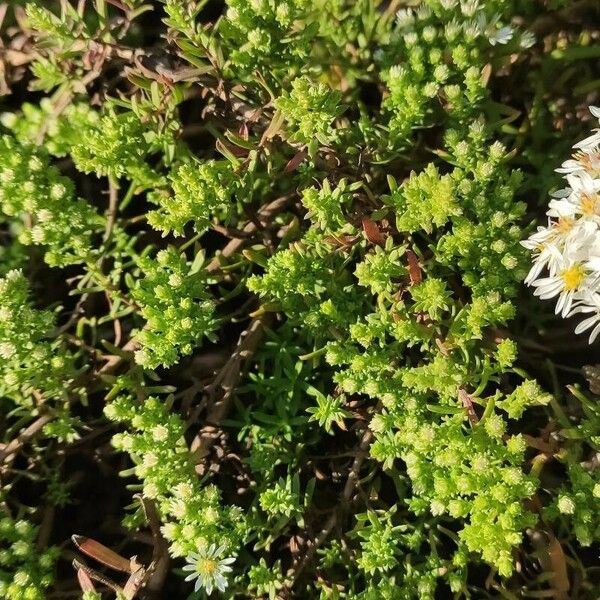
{"x":264,"y":331}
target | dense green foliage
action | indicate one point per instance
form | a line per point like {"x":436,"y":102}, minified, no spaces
{"x":262,"y":291}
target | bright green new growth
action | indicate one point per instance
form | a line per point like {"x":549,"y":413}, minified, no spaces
{"x":309,"y":283}
{"x":427,"y":200}
{"x":24,"y":573}
{"x":309,"y":110}
{"x":119,"y":145}
{"x":192,"y":517}
{"x":326,"y":206}
{"x":578,"y":503}
{"x":35,"y":370}
{"x":60,"y":133}
{"x":328,"y":410}
{"x":452,"y":465}
{"x":200,"y":192}
{"x":262,"y":35}
{"x":173,"y":300}
{"x":281,"y":499}
{"x":265,"y":580}
{"x":30,"y":186}
{"x":381,"y":270}
{"x":431,"y":296}
{"x":527,"y":394}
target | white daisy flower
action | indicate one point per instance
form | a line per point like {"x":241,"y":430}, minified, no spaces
{"x":581,"y":199}
{"x":566,"y":235}
{"x":583,"y":161}
{"x":568,"y":248}
{"x":208,"y":569}
{"x":572,"y":278}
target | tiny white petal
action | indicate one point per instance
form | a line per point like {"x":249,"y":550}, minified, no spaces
{"x":594,"y":333}
{"x":189,"y":568}
{"x":589,"y":142}
{"x":585,"y":324}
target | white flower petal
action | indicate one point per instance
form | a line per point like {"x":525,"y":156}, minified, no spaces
{"x":567,"y":304}
{"x":220,"y":582}
{"x":594,"y":333}
{"x":589,"y":142}
{"x":586,"y":324}
{"x":535,"y":270}
{"x":569,"y":166}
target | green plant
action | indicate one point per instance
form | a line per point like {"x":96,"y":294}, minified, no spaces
{"x":261,"y":266}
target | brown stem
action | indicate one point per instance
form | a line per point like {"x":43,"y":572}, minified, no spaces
{"x":114,"y":362}
{"x":45,"y":527}
{"x":351,"y":483}
{"x":27,"y":434}
{"x":236,"y":244}
{"x":226,"y":380}
{"x":160,"y":554}
{"x":111,"y":213}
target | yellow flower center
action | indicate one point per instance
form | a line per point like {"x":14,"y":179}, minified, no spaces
{"x":572,"y":277}
{"x":207,"y":566}
{"x":588,"y":204}
{"x":564,"y":224}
